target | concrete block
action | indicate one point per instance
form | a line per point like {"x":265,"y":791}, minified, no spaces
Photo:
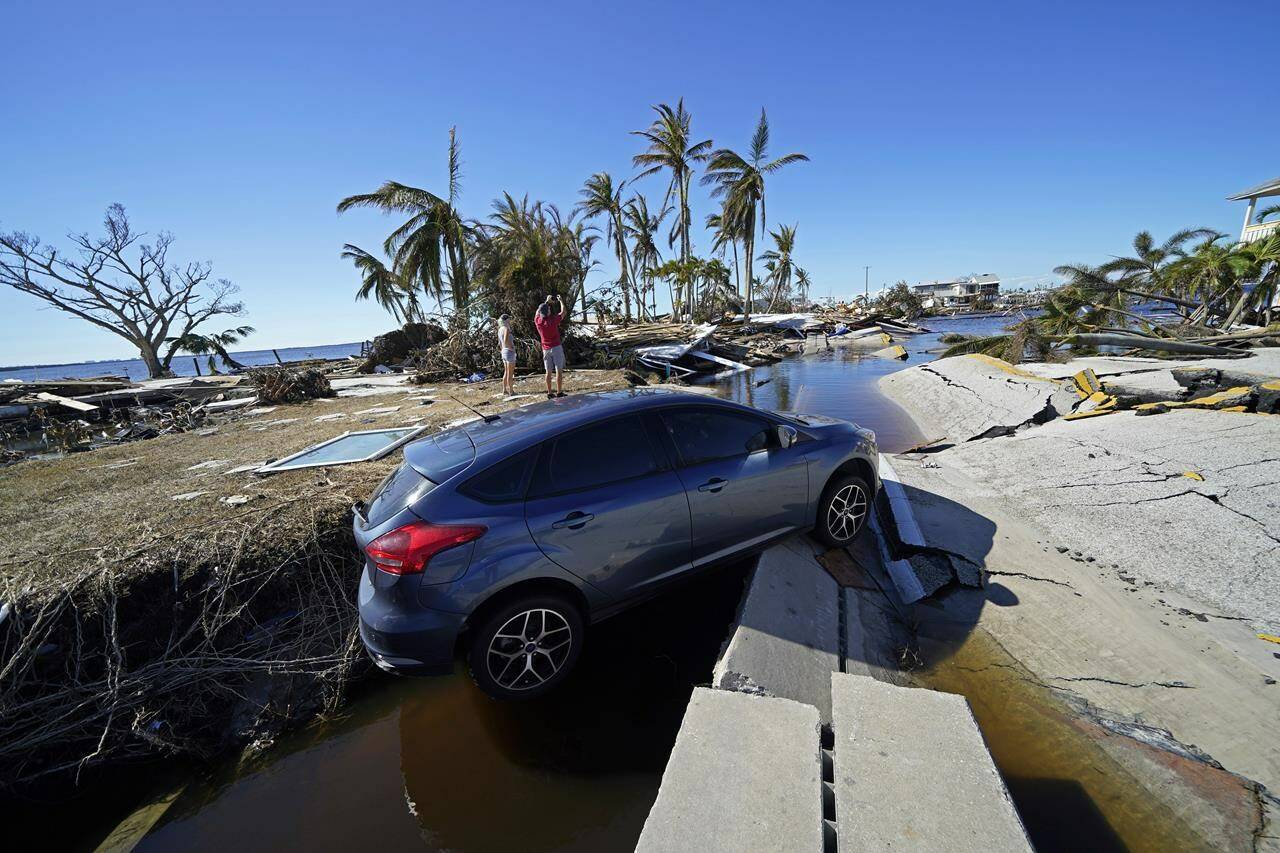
{"x":787,"y":640}
{"x":745,"y":775}
{"x":913,"y":772}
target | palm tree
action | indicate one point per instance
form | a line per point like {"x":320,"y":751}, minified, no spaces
{"x":642,"y":227}
{"x":803,"y":284}
{"x":1267,"y":211}
{"x":779,"y":262}
{"x":1147,"y":269}
{"x":722,"y":235}
{"x":739,"y":181}
{"x":600,"y":198}
{"x":1257,"y":262}
{"x":384,"y":285}
{"x":434,"y":230}
{"x":670,"y":148}
{"x":213,"y":345}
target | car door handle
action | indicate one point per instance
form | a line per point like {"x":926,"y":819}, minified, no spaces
{"x":573,"y":521}
{"x":715,"y":484}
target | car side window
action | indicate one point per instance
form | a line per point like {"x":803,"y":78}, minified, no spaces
{"x":595,"y":455}
{"x":503,"y":481}
{"x":703,"y":434}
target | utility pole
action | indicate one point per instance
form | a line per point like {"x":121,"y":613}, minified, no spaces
{"x":866,"y":276}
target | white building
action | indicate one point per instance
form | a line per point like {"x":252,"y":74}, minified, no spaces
{"x":1256,"y":231}
{"x":961,"y":292}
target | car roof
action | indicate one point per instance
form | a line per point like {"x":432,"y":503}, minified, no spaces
{"x":514,"y":430}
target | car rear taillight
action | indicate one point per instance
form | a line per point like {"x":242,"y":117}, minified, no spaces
{"x":407,"y":550}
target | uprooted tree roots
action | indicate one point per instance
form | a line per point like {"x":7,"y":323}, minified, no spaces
{"x":220,"y":639}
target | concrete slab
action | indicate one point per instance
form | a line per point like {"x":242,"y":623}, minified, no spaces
{"x":745,"y":774}
{"x":970,"y":396}
{"x":913,"y":772}
{"x":786,"y":641}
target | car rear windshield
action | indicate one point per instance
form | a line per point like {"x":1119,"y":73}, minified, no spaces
{"x":442,"y":455}
{"x":401,"y":488}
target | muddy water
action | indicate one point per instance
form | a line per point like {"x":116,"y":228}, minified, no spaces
{"x":1071,"y":793}
{"x":433,"y":764}
{"x":841,"y":382}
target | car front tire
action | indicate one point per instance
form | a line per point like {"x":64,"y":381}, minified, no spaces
{"x":527,"y":647}
{"x":843,"y":510}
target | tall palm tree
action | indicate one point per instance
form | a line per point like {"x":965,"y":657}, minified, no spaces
{"x":722,"y":235}
{"x":1257,"y":268}
{"x":601,"y":198}
{"x":671,"y":148}
{"x":803,"y":284}
{"x":739,"y":181}
{"x":1149,"y":266}
{"x":642,"y":227}
{"x":781,"y":265}
{"x":434,"y":231}
{"x":384,"y":285}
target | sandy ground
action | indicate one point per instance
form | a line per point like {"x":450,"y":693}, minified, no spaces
{"x":140,"y":492}
{"x":1132,"y":563}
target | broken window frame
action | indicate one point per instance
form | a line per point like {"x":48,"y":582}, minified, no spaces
{"x":280,"y":465}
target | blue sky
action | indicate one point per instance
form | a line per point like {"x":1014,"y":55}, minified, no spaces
{"x":945,"y":138}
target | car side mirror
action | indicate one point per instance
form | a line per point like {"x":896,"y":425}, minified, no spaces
{"x":786,"y":436}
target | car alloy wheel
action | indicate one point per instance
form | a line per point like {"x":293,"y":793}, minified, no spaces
{"x":846,"y":511}
{"x":529,"y":649}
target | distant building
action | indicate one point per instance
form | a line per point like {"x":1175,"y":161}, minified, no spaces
{"x":961,"y":292}
{"x":1257,"y":230}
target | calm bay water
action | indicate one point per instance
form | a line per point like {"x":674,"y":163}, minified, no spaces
{"x":183,"y":365}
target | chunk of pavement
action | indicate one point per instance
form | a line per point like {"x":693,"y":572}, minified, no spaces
{"x":787,"y":638}
{"x":1196,"y":378}
{"x":912,"y":771}
{"x":894,"y":352}
{"x":745,"y":774}
{"x":188,"y":496}
{"x":1154,"y":386}
{"x":378,"y":410}
{"x":236,"y":500}
{"x":977,"y":396}
{"x":1268,"y":397}
{"x":1230,"y":398}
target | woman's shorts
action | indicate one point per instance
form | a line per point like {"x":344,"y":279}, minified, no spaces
{"x":509,"y":356}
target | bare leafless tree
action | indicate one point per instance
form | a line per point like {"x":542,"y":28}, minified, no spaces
{"x":122,"y":284}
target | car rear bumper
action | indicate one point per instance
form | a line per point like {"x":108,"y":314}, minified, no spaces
{"x":408,"y":642}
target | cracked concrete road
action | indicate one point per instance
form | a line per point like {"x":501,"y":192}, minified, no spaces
{"x":1135,"y":558}
{"x":1117,"y":490}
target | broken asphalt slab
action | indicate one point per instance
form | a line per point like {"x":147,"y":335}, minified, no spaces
{"x":973,"y":396}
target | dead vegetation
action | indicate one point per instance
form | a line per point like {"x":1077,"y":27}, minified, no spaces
{"x":156,"y":599}
{"x":283,"y":384}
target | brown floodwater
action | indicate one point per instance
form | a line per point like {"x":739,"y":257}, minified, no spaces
{"x":435,"y":764}
{"x":1070,"y":792}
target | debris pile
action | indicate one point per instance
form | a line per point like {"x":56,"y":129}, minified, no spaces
{"x":737,"y":344}
{"x":283,"y":384}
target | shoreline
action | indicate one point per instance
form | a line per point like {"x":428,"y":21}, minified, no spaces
{"x":1097,"y":598}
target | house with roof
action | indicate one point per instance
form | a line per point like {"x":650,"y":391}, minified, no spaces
{"x":963,"y":292}
{"x":1253,"y":231}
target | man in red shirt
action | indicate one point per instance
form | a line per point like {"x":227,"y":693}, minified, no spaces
{"x":547,"y":319}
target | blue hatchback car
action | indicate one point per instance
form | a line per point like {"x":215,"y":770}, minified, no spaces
{"x":506,"y":536}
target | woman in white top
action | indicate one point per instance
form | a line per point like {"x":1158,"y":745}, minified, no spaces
{"x":507,"y":344}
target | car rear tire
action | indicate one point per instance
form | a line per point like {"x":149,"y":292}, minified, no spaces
{"x":527,"y":647}
{"x":843,"y":510}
